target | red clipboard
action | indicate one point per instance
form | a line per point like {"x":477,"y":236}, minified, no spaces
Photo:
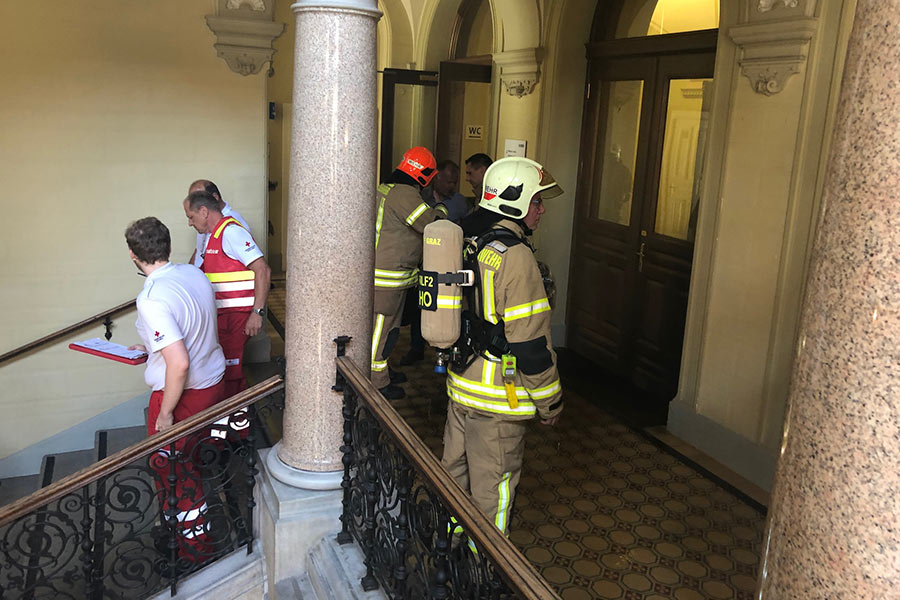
{"x":122,"y":359}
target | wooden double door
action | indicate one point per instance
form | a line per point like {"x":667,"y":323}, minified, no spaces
{"x":642,"y":154}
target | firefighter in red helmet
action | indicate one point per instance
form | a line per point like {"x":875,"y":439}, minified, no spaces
{"x":401,"y":217}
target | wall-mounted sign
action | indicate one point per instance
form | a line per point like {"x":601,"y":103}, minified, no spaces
{"x":515,"y":148}
{"x":473,"y":132}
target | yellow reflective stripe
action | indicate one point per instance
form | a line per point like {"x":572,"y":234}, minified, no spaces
{"x":395,"y":274}
{"x":231,"y":276}
{"x":486,"y":388}
{"x":490,"y":311}
{"x":442,"y":209}
{"x":502,"y":502}
{"x":487,"y":372}
{"x":225,"y":224}
{"x":379,"y":365}
{"x":546,"y":391}
{"x":391,"y":283}
{"x":378,"y":221}
{"x":500,"y":408}
{"x":376,"y":335}
{"x":449,"y":301}
{"x":416,"y":214}
{"x":528,"y":309}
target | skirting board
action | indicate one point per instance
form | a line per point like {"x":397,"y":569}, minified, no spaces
{"x":78,"y":437}
{"x":739,"y":454}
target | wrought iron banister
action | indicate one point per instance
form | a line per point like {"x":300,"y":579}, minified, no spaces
{"x":362,"y":487}
{"x":90,"y":474}
{"x":57,"y":335}
{"x":142,"y":519}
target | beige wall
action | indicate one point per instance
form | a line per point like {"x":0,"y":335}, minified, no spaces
{"x":764,"y":173}
{"x":108,"y":111}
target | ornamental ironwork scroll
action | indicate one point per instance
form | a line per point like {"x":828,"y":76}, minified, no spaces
{"x":145,"y":526}
{"x":414,"y":546}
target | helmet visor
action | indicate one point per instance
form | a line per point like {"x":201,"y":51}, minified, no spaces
{"x":548,"y":186}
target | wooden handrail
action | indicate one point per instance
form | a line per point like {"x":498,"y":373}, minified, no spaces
{"x":64,"y":332}
{"x":520,"y":573}
{"x":112,"y":463}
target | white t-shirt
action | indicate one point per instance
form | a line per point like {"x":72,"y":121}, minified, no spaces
{"x":203,"y":238}
{"x":239,"y":245}
{"x":177,"y":303}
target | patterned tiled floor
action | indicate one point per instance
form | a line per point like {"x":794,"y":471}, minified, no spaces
{"x":605,"y":513}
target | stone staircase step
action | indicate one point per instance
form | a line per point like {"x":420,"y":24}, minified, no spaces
{"x":13,"y":488}
{"x":123,"y":437}
{"x":67,"y":463}
{"x":334,"y":572}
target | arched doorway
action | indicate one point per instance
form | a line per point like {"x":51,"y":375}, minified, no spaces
{"x":649,"y":92}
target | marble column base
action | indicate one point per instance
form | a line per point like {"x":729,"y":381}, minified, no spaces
{"x":291,"y":521}
{"x":298,"y":478}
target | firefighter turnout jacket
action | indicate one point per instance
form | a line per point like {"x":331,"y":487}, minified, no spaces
{"x":402,"y":216}
{"x":512,"y":293}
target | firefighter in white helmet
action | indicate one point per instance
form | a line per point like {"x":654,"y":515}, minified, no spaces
{"x":513,"y":377}
{"x":402,"y":215}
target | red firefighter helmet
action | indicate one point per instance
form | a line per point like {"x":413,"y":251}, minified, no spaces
{"x":419,"y":164}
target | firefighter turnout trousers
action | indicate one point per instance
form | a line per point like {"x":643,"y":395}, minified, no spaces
{"x":386,"y":320}
{"x":484,"y":453}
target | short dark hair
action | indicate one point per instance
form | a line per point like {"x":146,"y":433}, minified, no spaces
{"x":197,"y":199}
{"x":149,"y":240}
{"x":479,"y":160}
{"x":447,"y":163}
{"x":210,"y":188}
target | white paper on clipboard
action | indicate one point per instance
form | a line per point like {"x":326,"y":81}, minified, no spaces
{"x":101,"y":345}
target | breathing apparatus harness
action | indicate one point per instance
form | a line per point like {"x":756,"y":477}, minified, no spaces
{"x":479,"y":336}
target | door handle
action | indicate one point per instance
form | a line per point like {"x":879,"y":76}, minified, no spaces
{"x":640,"y":254}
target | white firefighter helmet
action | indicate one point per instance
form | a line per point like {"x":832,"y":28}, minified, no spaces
{"x":510,"y":184}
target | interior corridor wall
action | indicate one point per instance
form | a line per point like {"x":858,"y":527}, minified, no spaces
{"x":108,"y":110}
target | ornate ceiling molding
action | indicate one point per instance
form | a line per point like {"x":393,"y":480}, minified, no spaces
{"x":244,"y":33}
{"x":772,"y":51}
{"x":520,"y":70}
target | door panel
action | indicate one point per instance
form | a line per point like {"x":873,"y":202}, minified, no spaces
{"x":642,"y":150}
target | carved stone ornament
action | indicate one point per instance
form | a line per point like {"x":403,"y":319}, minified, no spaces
{"x":772,"y":51}
{"x":767,"y":5}
{"x":244,"y":33}
{"x":519,"y":70}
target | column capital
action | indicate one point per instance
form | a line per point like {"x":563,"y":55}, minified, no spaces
{"x":368,"y":7}
{"x":520,"y":70}
{"x":772,"y":51}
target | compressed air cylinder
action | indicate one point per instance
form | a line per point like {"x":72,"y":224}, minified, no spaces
{"x":441,"y":303}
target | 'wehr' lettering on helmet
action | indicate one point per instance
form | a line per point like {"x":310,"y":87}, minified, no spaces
{"x":415,"y":164}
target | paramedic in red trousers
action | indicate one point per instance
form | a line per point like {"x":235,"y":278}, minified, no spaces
{"x":240,"y":278}
{"x":401,"y":219}
{"x":484,"y":436}
{"x":205,"y":185}
{"x":185,"y":367}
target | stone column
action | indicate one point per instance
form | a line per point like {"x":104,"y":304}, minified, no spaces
{"x":834,"y":520}
{"x":331,"y":237}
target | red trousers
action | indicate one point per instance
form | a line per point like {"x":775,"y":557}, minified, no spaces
{"x":232,"y":339}
{"x":192,"y":532}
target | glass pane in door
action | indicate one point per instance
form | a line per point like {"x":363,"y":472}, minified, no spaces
{"x":414,"y":118}
{"x":684,"y":150}
{"x":617,"y":153}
